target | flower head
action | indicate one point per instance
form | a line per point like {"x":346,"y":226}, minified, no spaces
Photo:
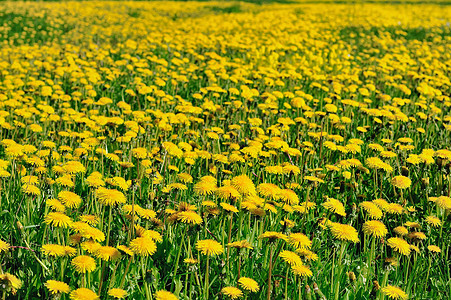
{"x":375,"y":228}
{"x":401,"y":182}
{"x":344,"y":232}
{"x":84,"y":263}
{"x":299,"y":240}
{"x":143,"y":246}
{"x":57,"y":287}
{"x":232,"y":292}
{"x":164,"y":295}
{"x":117,"y":293}
{"x":83,"y":294}
{"x":189,"y":217}
{"x":110,"y":196}
{"x":290,"y":257}
{"x":248,"y":284}
{"x":3,"y":246}
{"x":399,"y":245}
{"x":394,"y":292}
{"x":209,"y":247}
{"x":301,"y":270}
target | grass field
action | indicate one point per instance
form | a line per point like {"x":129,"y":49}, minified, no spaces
{"x":225,"y":150}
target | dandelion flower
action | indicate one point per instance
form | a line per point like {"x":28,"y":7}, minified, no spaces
{"x":399,"y":245}
{"x":374,"y":212}
{"x":299,"y":241}
{"x":54,"y":250}
{"x":228,"y":207}
{"x":83,"y":294}
{"x":433,"y":221}
{"x":272,"y":236}
{"x":443,"y":202}
{"x":3,"y":246}
{"x":401,"y":182}
{"x":269,"y":190}
{"x":375,"y":228}
{"x":394,"y":292}
{"x":10,"y":282}
{"x":84,"y":263}
{"x":434,"y":248}
{"x":204,"y":188}
{"x":57,"y":287}
{"x":290,"y":257}
{"x":288,"y":196}
{"x":165,"y":295}
{"x":344,"y":232}
{"x":58,"y":219}
{"x":335,"y":206}
{"x":232,"y":292}
{"x":240,"y":245}
{"x":117,"y":293}
{"x":107,"y":253}
{"x":125,"y":250}
{"x":74,"y":167}
{"x":189,"y":217}
{"x":209,"y":247}
{"x":248,"y":284}
{"x":69,"y":199}
{"x":301,"y":270}
{"x":143,"y":246}
{"x":110,"y":196}
{"x":401,"y":230}
{"x":243,"y":184}
{"x":90,"y":219}
{"x":227,"y":192}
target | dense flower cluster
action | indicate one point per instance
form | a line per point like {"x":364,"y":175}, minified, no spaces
{"x":227,"y":150}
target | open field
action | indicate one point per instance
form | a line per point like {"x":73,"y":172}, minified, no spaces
{"x":225,"y":150}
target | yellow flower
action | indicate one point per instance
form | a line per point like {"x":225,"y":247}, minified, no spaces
{"x":374,"y":212}
{"x":299,"y":241}
{"x":189,"y":217}
{"x":84,"y":263}
{"x":117,"y":293}
{"x":301,"y":270}
{"x":243,"y":184}
{"x":272,"y":236}
{"x":209,"y":247}
{"x":375,"y":228}
{"x":165,"y":295}
{"x":10,"y":282}
{"x":401,"y":182}
{"x":69,"y":199}
{"x":107,"y":253}
{"x":227,"y":192}
{"x":344,"y":232}
{"x":249,"y":284}
{"x":228,"y":207}
{"x":394,"y":292}
{"x":57,"y":287}
{"x":240,"y":245}
{"x":290,"y":257}
{"x":232,"y":292}
{"x":434,"y":248}
{"x":53,"y":250}
{"x":335,"y":206}
{"x":57,"y":219}
{"x":399,"y":245}
{"x":83,"y":294}
{"x":3,"y":246}
{"x":143,"y":246}
{"x":110,"y":196}
{"x":433,"y":221}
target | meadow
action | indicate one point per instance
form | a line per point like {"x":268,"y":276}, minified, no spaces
{"x":225,"y":150}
